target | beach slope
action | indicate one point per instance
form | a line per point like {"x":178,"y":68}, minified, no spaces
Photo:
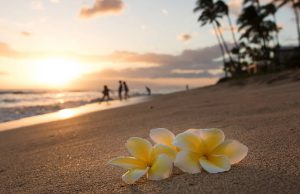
{"x":71,"y":156}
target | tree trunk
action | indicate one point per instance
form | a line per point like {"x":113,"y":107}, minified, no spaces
{"x":235,"y":42}
{"x":277,"y":51}
{"x":258,"y":4}
{"x":224,"y":43}
{"x":297,"y":22}
{"x":226,"y":48}
{"x":221,"y":48}
{"x":277,"y":32}
{"x":232,"y":31}
{"x":264,"y":49}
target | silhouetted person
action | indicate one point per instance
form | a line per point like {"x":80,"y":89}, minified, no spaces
{"x":148,"y":91}
{"x":126,"y":89}
{"x":120,"y":90}
{"x":105,"y":93}
{"x":187,"y":87}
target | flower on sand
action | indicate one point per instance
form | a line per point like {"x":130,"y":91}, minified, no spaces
{"x":163,"y":136}
{"x":206,"y":148}
{"x":154,"y":161}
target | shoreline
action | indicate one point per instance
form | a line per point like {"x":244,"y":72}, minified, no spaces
{"x":69,"y":113}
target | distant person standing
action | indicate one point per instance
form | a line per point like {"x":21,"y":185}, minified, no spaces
{"x":120,"y":90}
{"x":105,"y":93}
{"x":187,"y":87}
{"x":148,"y":91}
{"x":126,"y":89}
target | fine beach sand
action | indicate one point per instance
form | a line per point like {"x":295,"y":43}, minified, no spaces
{"x":71,"y":156}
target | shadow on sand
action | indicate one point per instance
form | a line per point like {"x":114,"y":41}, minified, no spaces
{"x":240,"y":179}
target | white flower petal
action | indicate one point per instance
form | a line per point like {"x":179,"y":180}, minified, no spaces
{"x":188,"y":162}
{"x":161,"y":168}
{"x":139,"y":148}
{"x":159,"y":149}
{"x":212,"y":138}
{"x":188,"y":142}
{"x":233,"y":149}
{"x":162,"y":136}
{"x":215,"y":164}
{"x":133,"y":175}
{"x":128,"y":162}
{"x":194,"y":131}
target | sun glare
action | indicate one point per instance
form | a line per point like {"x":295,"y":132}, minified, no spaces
{"x":57,"y":72}
{"x":66,"y":113}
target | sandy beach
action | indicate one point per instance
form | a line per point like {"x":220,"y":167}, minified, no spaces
{"x":71,"y":156}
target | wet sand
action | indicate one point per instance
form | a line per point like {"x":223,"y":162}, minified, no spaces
{"x":71,"y":156}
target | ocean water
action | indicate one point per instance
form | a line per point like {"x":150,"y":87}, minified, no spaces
{"x":19,"y":104}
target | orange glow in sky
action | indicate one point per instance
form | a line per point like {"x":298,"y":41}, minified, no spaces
{"x":57,"y":72}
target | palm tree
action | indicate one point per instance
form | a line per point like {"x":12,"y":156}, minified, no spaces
{"x":218,"y":28}
{"x":255,"y":8}
{"x":222,"y":50}
{"x":295,"y":6}
{"x":248,"y":22}
{"x":257,"y":30}
{"x":223,"y":8}
{"x":209,"y":15}
{"x":270,"y":8}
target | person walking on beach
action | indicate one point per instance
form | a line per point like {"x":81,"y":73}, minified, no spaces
{"x":148,"y":91}
{"x":120,"y":90}
{"x":126,"y":89}
{"x":105,"y":93}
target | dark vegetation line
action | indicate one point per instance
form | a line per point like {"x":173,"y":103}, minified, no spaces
{"x":257,"y":50}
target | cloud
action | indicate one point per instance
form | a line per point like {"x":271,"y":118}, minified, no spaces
{"x":55,"y":1}
{"x":235,"y":6}
{"x":37,"y":5}
{"x":153,"y":73}
{"x":184,"y":37}
{"x":190,"y":63}
{"x":226,"y":29}
{"x":198,"y":63}
{"x":6,"y":51}
{"x":102,"y":7}
{"x":164,"y":11}
{"x":24,"y":33}
{"x":280,"y":26}
{"x":144,"y":27}
{"x":3,"y":73}
{"x":229,"y":28}
{"x":197,"y":58}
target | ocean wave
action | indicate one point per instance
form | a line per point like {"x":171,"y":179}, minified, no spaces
{"x":14,"y":113}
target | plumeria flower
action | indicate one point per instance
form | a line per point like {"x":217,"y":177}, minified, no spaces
{"x":206,"y":148}
{"x":156,"y":162}
{"x":163,"y":136}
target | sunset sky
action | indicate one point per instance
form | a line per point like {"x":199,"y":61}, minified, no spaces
{"x":83,"y":44}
